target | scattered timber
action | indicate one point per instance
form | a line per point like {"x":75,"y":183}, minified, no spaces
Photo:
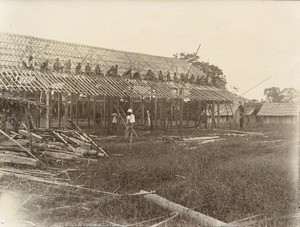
{"x":201,"y":219}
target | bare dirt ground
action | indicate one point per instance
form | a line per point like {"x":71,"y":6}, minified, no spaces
{"x":229,"y":176}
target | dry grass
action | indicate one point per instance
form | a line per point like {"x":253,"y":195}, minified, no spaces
{"x":230,"y":179}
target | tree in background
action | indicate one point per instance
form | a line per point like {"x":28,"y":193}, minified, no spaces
{"x":274,"y":94}
{"x":212,"y":71}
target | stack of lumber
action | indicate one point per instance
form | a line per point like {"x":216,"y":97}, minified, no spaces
{"x":70,"y":144}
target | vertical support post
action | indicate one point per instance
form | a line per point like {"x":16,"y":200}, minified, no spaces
{"x":205,"y":114}
{"x":131,"y":103}
{"x":155,"y":112}
{"x":59,"y":109}
{"x":118,"y":120}
{"x":38,"y":111}
{"x":76,"y":108}
{"x":164,"y":112}
{"x":82,"y":108}
{"x":88,"y":111}
{"x":171,"y":117}
{"x":187,"y":113}
{"x":142,"y":111}
{"x":104,"y":110}
{"x":218,"y":112}
{"x":66,"y":115}
{"x":48,"y":109}
{"x":94,"y":112}
{"x":181,"y":112}
{"x":196,"y":113}
{"x":213,"y":122}
{"x":71,"y":107}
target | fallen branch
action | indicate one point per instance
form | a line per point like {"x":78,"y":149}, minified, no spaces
{"x":174,"y":215}
{"x":202,"y":219}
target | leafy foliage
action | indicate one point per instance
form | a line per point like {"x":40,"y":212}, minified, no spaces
{"x":209,"y":70}
{"x":274,"y":94}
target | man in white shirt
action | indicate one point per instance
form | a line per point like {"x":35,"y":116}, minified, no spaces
{"x":130,"y":119}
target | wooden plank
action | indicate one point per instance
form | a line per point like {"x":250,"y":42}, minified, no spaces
{"x":8,"y":158}
{"x":60,"y":155}
{"x":33,"y":135}
{"x":201,"y":219}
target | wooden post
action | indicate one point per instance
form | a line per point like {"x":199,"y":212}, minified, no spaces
{"x":94,"y":112}
{"x":155,"y":112}
{"x":196,"y":113}
{"x":181,"y":112}
{"x":104,"y":110}
{"x":205,"y":114}
{"x":131,"y":103}
{"x":71,"y":107}
{"x":142,"y":111}
{"x":76,"y":108}
{"x":59,"y":109}
{"x":213,"y":114}
{"x":187,"y":113}
{"x":171,"y":117}
{"x":82,"y":108}
{"x":88,"y":111}
{"x":66,"y":115}
{"x":48,"y":109}
{"x":218,"y":113}
{"x":118,"y":119}
{"x":164,"y":112}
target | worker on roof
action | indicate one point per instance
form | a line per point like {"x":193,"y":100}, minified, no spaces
{"x":168,"y":76}
{"x":45,"y":66}
{"x":67,"y":67}
{"x":29,"y":64}
{"x":78,"y":69}
{"x":182,"y":77}
{"x":175,"y":78}
{"x":192,"y":79}
{"x":88,"y":69}
{"x":127,"y":73}
{"x":160,"y":76}
{"x":115,"y":71}
{"x":136,"y":76}
{"x":98,"y":71}
{"x":130,"y":120}
{"x":110,"y":72}
{"x":198,"y":80}
{"x":57,"y":66}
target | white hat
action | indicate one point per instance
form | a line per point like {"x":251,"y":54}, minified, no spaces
{"x":129,"y":111}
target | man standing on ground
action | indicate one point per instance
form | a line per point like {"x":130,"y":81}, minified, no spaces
{"x":130,"y":119}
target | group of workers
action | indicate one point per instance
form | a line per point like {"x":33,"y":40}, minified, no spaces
{"x":113,"y":72}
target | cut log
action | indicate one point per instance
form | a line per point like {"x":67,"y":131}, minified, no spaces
{"x":11,"y":148}
{"x":8,"y":158}
{"x":33,"y":135}
{"x":13,"y":153}
{"x":61,"y":155}
{"x":63,"y":140}
{"x":202,"y":219}
{"x":18,"y":144}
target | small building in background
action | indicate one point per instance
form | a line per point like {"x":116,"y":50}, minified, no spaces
{"x":279,"y":113}
{"x":230,"y":113}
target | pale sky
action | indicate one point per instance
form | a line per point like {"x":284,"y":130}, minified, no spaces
{"x":248,"y":40}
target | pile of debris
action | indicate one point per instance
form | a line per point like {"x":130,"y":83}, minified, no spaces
{"x":27,"y":147}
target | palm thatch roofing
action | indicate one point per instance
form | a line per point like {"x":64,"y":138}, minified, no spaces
{"x":279,"y":109}
{"x":15,"y":48}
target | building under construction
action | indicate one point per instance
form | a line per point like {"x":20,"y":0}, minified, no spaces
{"x":90,"y":99}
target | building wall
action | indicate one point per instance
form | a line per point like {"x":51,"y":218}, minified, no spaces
{"x":279,"y":119}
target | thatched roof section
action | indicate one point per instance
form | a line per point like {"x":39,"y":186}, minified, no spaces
{"x":15,"y":48}
{"x":279,"y":109}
